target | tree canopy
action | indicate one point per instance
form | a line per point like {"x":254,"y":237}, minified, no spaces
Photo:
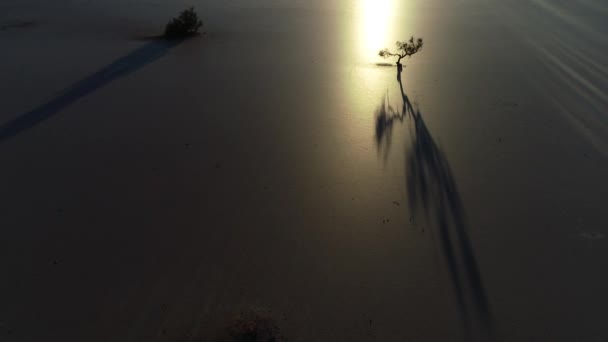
{"x":404,"y":49}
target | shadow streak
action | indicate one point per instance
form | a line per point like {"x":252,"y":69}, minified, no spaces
{"x":387,"y":116}
{"x":121,"y":67}
{"x":432,"y":190}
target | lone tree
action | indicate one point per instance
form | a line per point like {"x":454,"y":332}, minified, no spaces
{"x":185,"y":25}
{"x":404,"y":49}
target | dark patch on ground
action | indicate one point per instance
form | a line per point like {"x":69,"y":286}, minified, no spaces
{"x":385,"y":64}
{"x":592,"y":235}
{"x":248,"y":325}
{"x":254,"y":327}
{"x":17,"y":25}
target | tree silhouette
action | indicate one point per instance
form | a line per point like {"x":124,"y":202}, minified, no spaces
{"x":404,"y":49}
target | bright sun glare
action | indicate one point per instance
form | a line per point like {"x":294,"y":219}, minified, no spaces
{"x":375,"y":21}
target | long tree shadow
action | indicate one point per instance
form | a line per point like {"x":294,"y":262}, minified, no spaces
{"x":121,"y":67}
{"x":432,"y":191}
{"x":387,"y":116}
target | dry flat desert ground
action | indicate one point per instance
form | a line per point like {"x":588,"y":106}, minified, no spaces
{"x":274,"y":176}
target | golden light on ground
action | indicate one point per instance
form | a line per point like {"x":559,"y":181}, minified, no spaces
{"x":372,"y":29}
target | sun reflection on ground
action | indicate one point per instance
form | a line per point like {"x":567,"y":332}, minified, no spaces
{"x":375,"y":21}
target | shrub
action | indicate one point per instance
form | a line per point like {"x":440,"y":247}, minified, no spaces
{"x":185,"y":25}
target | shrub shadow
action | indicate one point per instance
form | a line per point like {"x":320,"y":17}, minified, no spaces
{"x":121,"y":67}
